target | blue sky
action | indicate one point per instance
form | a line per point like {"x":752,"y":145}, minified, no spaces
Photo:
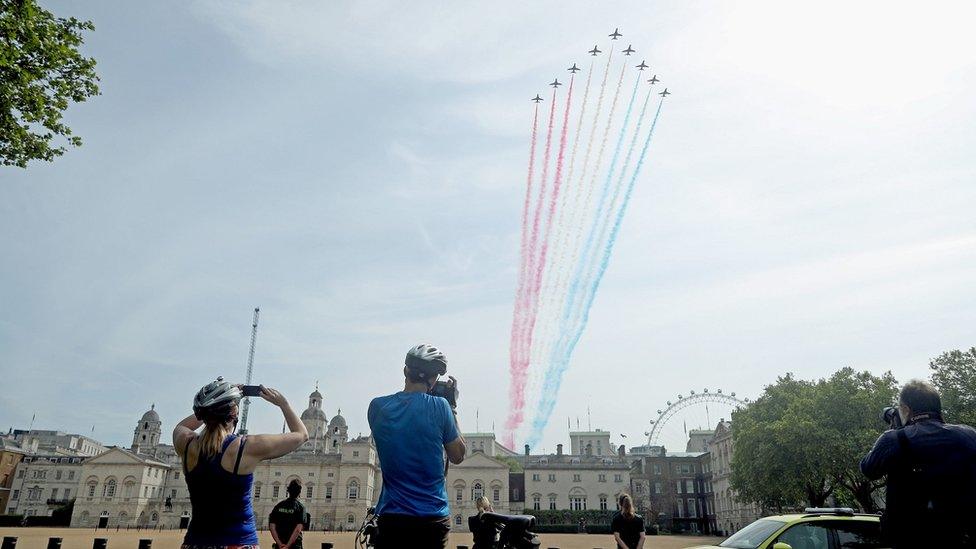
{"x":355,"y":169}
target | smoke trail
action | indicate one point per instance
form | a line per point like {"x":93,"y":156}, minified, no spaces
{"x":586,"y":264}
{"x":549,"y":396}
{"x":517,"y":386}
{"x":579,"y":259}
{"x":536,"y":280}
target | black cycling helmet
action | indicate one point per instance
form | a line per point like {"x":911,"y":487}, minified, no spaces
{"x":426,"y":362}
{"x":216,"y":400}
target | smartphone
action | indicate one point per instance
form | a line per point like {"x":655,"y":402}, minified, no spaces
{"x":251,"y":390}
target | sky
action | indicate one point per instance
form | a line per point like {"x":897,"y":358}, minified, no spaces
{"x":355,"y":169}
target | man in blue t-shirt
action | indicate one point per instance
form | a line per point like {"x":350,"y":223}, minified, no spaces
{"x":412,"y":430}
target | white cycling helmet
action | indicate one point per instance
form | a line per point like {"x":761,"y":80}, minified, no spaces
{"x":216,"y":398}
{"x":426,"y":361}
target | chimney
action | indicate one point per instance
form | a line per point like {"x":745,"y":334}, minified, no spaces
{"x":622,"y":451}
{"x":559,"y":449}
{"x":526,"y":449}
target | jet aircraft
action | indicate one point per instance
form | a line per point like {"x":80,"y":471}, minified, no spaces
{"x":574,"y":69}
{"x":555,"y":83}
{"x":653,"y":80}
{"x":594,"y":51}
{"x":665,"y":93}
{"x":642,"y":66}
{"x":536,"y":98}
{"x":629,"y":50}
{"x":616,"y":34}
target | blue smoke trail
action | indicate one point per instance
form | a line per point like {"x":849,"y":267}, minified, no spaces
{"x":582,"y":266}
{"x":549,"y":396}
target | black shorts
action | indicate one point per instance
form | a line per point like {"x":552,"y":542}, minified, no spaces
{"x":405,"y":531}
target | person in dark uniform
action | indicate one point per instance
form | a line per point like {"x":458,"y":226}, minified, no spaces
{"x":288,"y":519}
{"x":627,"y":526}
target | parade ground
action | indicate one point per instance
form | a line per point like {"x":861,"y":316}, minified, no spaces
{"x":82,"y":538}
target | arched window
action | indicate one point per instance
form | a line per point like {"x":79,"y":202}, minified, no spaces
{"x":109,"y":490}
{"x":477,"y":491}
{"x":155,"y":516}
{"x":457,"y":520}
{"x":603,"y":502}
{"x":145,"y":426}
{"x":92,"y":484}
{"x":123,"y":518}
{"x":351,"y":519}
{"x":84,"y":518}
{"x":257,"y":490}
{"x":309,"y":490}
{"x":353,"y":489}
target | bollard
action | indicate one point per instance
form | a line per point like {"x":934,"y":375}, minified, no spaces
{"x":9,"y":542}
{"x":100,"y":543}
{"x":145,"y":544}
{"x":462,"y":547}
{"x":54,"y":543}
{"x":326,"y":545}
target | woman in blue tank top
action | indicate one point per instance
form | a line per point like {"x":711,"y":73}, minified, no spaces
{"x":219,"y":465}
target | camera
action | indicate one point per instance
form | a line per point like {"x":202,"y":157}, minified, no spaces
{"x":447,"y":390}
{"x":891,"y":416}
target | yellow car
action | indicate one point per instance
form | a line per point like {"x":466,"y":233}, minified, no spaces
{"x":835,"y":528}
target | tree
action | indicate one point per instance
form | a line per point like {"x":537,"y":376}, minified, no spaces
{"x":954,"y":375}
{"x":802,"y":441}
{"x":41,"y":72}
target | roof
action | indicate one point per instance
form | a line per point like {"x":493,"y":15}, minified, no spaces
{"x":338,"y":420}
{"x":315,"y":394}
{"x":7,"y":445}
{"x":314,"y":413}
{"x":575,"y":462}
{"x":150,"y":415}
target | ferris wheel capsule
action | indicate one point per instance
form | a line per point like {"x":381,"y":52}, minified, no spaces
{"x":669,"y":403}
{"x":733,"y":393}
{"x":692,"y":392}
{"x":719,"y":391}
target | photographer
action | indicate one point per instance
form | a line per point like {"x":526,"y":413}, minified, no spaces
{"x":219,"y":465}
{"x":931,"y":470}
{"x":412,"y":430}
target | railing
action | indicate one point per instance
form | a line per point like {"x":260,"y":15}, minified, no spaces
{"x":52,"y":501}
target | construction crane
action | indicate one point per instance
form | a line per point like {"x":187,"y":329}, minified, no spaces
{"x":250,"y":370}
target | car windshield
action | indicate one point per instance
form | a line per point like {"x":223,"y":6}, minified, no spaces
{"x":753,"y":535}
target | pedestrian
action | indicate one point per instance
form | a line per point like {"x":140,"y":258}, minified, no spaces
{"x":289,"y":519}
{"x":485,"y":533}
{"x":627,"y":526}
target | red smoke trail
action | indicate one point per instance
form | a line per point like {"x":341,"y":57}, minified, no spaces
{"x":553,"y":201}
{"x":516,"y":391}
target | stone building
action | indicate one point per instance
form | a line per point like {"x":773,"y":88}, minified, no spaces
{"x":575,"y":482}
{"x":39,"y":441}
{"x":10,"y":455}
{"x":674,"y":490}
{"x":731,"y":514}
{"x":42,"y":483}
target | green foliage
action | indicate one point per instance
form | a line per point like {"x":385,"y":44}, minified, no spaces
{"x":41,"y":71}
{"x":954,"y":375}
{"x":566,"y":516}
{"x":802,"y":441}
{"x":513,"y":465}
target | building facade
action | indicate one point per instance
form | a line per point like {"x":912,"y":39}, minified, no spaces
{"x":10,"y":455}
{"x":674,"y":490}
{"x":731,"y":514}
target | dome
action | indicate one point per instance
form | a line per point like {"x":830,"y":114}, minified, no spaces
{"x":150,"y":415}
{"x":314,"y":413}
{"x":316,"y":394}
{"x":338,"y":420}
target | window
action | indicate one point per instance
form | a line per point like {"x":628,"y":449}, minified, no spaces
{"x":351,"y":519}
{"x":677,"y":487}
{"x":515,"y":494}
{"x":535,"y":476}
{"x":308,"y":491}
{"x":54,"y":493}
{"x":603,"y":503}
{"x":91,"y":489}
{"x":67,"y":493}
{"x":176,"y":474}
{"x":16,"y":495}
{"x":57,"y":475}
{"x":536,"y":503}
{"x":145,"y":491}
{"x":855,"y":534}
{"x":477,"y":491}
{"x":34,"y":493}
{"x":808,"y":535}
{"x":328,"y":492}
{"x":20,"y":474}
{"x":552,"y":503}
{"x":275,"y":490}
{"x":618,"y":478}
{"x":577,"y":503}
{"x":71,"y":475}
{"x":257,"y":491}
{"x":172,"y":494}
{"x":311,"y":473}
{"x":552,"y":477}
{"x":689,"y":486}
{"x":692,"y":508}
{"x":353,"y":492}
{"x":459,"y":495}
{"x":496,"y":495}
{"x":109,"y":490}
{"x":576,"y":477}
{"x":602,"y":477}
{"x":277,"y":473}
{"x":457,"y":520}
{"x":355,"y":454}
{"x":681,"y":508}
